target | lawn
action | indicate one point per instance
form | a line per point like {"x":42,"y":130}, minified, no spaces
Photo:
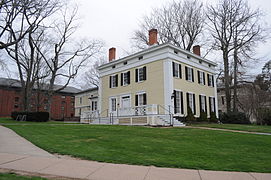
{"x":241,"y":127}
{"x":10,"y":176}
{"x":164,"y":147}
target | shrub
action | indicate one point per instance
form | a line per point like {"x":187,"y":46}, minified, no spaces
{"x":32,"y":116}
{"x":213,"y":118}
{"x":202,"y":117}
{"x":235,"y":118}
{"x":264,"y":116}
{"x":190,"y":116}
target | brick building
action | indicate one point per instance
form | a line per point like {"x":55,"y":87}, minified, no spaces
{"x":11,"y":100}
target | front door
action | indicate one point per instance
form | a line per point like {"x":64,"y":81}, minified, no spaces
{"x":125,"y":106}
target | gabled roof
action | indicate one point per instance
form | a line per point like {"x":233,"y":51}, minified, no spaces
{"x":14,"y":83}
{"x":155,"y":48}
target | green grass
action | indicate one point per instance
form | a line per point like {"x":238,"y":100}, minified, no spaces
{"x":164,"y":147}
{"x":241,"y":127}
{"x":11,"y":176}
{"x":4,"y":121}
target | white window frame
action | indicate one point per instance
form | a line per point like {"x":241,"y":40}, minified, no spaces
{"x":140,"y":97}
{"x":111,"y":105}
{"x":201,"y":77}
{"x":189,"y":74}
{"x":178,"y":101}
{"x":113,"y":81}
{"x":191,"y":104}
{"x":211,"y":80}
{"x":125,"y":80}
{"x":212,"y":104}
{"x":126,"y":95}
{"x":176,"y":70}
{"x":94,"y":105}
{"x":141,"y":69}
{"x":203,"y":102}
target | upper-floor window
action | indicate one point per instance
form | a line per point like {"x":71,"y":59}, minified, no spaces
{"x":177,"y":70}
{"x":125,"y":78}
{"x":189,"y":74}
{"x":210,"y":80}
{"x":113,"y":81}
{"x":63,"y":97}
{"x":141,"y":74}
{"x":190,"y":97}
{"x":201,"y":77}
{"x":17,"y":99}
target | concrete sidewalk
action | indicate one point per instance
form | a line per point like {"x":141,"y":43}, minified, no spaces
{"x":81,"y":169}
{"x":19,"y":155}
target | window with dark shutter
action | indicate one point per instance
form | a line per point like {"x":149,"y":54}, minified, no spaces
{"x":144,"y":73}
{"x":194,"y":103}
{"x":200,"y":104}
{"x":208,"y":79}
{"x":136,"y":75}
{"x":182,"y":109}
{"x":213,"y":80}
{"x":199,"y":77}
{"x":192,"y":71}
{"x":136,"y":100}
{"x":173,"y":69}
{"x":205,"y":104}
{"x":180,"y":71}
{"x":186,"y":73}
{"x":110,"y":81}
{"x":121,"y":79}
{"x":175,"y":102}
{"x":116,"y":80}
{"x":203,"y":78}
{"x":145,"y":99}
{"x":128,"y":74}
{"x":187,"y":101}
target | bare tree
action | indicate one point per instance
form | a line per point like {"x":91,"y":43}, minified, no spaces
{"x":18,"y":17}
{"x":92,"y":75}
{"x":180,"y":23}
{"x":236,"y":30}
{"x":67,"y":56}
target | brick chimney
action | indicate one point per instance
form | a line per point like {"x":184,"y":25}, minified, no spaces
{"x":196,"y":50}
{"x":152,"y":37}
{"x":112,"y":54}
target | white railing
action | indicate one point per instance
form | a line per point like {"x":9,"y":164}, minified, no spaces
{"x":138,"y":111}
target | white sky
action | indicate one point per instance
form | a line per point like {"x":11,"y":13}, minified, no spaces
{"x":115,"y":21}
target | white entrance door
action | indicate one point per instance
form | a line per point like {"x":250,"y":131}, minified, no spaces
{"x":125,"y":106}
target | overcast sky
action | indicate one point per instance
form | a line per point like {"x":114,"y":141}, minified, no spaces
{"x":115,"y":21}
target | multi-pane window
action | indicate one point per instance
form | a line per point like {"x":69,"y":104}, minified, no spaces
{"x":178,"y":102}
{"x":210,"y":80}
{"x":191,"y":102}
{"x":17,"y":99}
{"x":93,"y":105}
{"x":141,"y":74}
{"x":177,"y":70}
{"x":189,"y":74}
{"x":125,"y":78}
{"x":141,"y":99}
{"x":113,"y":104}
{"x":212,"y":104}
{"x":113,"y":81}
{"x":202,"y":100}
{"x":201,"y":77}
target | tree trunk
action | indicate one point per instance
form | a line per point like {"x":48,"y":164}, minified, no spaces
{"x":235,"y":59}
{"x":227,"y":80}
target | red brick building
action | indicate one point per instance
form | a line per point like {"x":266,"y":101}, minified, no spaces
{"x":11,"y":100}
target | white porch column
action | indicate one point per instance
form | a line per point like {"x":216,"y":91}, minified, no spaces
{"x":168,"y":83}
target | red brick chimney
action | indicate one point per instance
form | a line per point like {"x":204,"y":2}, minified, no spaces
{"x":112,"y":54}
{"x":196,"y":50}
{"x":152,"y":37}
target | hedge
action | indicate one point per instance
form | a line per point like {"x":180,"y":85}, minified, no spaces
{"x":32,"y":116}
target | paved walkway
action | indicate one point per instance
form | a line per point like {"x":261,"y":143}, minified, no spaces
{"x":21,"y":156}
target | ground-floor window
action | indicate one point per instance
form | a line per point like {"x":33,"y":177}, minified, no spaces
{"x":141,"y":99}
{"x":94,"y":105}
{"x":178,"y":102}
{"x":212,"y":104}
{"x":191,"y":102}
{"x":113,"y":104}
{"x":202,"y":100}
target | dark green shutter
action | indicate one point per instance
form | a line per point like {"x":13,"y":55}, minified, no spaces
{"x":136,"y":100}
{"x":121,"y":79}
{"x":199,"y":77}
{"x":174,"y":75}
{"x":145,"y":99}
{"x":186,"y":73}
{"x":180,"y":71}
{"x":194,"y":102}
{"x":205,"y":104}
{"x":200,"y":108}
{"x":182,"y":110}
{"x":192,"y":70}
{"x":110,"y":81}
{"x":208,"y":79}
{"x":136,"y":75}
{"x":117,"y":80}
{"x":128,"y":76}
{"x":213,"y":81}
{"x":144,"y":73}
{"x":204,"y":78}
{"x":175,"y":102}
{"x":187,"y":100}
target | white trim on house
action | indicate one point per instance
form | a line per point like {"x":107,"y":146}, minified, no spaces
{"x":168,"y":83}
{"x":100,"y":95}
{"x":216,"y":100}
{"x":154,"y":56}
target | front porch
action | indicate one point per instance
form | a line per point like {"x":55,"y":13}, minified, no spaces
{"x":152,"y":115}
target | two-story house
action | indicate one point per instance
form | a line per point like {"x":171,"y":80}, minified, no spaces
{"x":156,"y":86}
